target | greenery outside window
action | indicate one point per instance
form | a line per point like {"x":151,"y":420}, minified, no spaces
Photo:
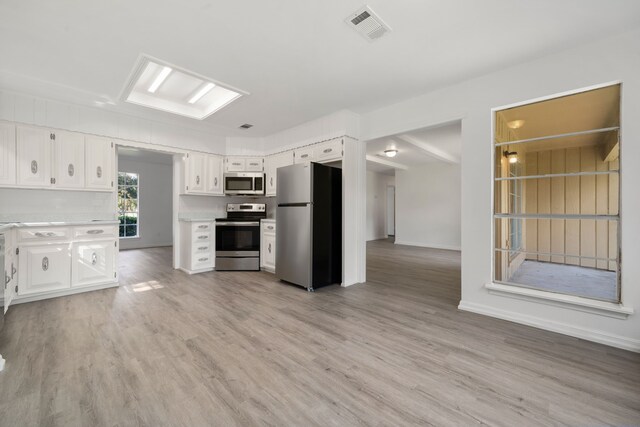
{"x":128,"y":207}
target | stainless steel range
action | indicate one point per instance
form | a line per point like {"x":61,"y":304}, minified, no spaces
{"x":238,"y":237}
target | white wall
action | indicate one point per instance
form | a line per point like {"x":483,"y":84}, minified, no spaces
{"x":377,"y":204}
{"x":39,"y":111}
{"x":155,"y":205}
{"x":428,"y":203}
{"x":607,"y":60}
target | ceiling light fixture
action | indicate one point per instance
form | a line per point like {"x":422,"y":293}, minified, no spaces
{"x":515,"y":124}
{"x":390,"y":153}
{"x":202,"y":92}
{"x":161,"y":78}
{"x":512,"y":156}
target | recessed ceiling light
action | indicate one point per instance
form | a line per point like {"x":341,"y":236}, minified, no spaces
{"x":390,"y":153}
{"x":164,"y":73}
{"x":515,"y":124}
{"x":156,"y":84}
{"x":202,"y":92}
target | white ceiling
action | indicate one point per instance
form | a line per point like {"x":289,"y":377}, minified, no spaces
{"x":297,"y":58}
{"x":441,"y":141}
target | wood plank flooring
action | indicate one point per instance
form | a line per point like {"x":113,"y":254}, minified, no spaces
{"x":242,"y":348}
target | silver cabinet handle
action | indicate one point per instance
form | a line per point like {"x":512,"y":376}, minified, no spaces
{"x":197,"y":179}
{"x":271,"y":181}
{"x":327,"y":150}
{"x":203,"y":237}
{"x":304,"y":155}
{"x":97,"y":231}
{"x":203,"y":259}
{"x":99,"y":172}
{"x":203,"y":226}
{"x":270,"y":227}
{"x":253,"y":164}
{"x":45,"y":264}
{"x":215,"y":181}
{"x":203,"y":248}
{"x":235,"y":164}
{"x":39,"y":234}
{"x":71,"y":170}
{"x":34,"y":167}
{"x":14,"y":270}
{"x":94,"y":258}
{"x":269,"y":247}
{"x":7,"y":279}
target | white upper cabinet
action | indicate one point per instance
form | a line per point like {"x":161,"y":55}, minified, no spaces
{"x":7,"y":154}
{"x":99,"y":163}
{"x":235,"y":164}
{"x":214,"y":175}
{"x":305,"y":154}
{"x":34,"y":156}
{"x":68,"y":161}
{"x":272,"y":163}
{"x":195,"y":172}
{"x":254,"y":164}
{"x":328,"y":151}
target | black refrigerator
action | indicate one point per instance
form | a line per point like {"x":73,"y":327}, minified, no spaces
{"x":309,"y":231}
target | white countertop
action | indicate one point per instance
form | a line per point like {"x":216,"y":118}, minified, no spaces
{"x":202,"y":219}
{"x":9,"y":225}
{"x":269,"y":220}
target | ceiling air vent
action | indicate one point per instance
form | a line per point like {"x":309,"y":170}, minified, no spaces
{"x":367,"y":23}
{"x":246,"y":126}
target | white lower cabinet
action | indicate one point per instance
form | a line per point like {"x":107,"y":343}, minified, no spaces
{"x":197,"y":246}
{"x":93,"y":262}
{"x":61,"y":258}
{"x":268,"y":249}
{"x":44,"y":268}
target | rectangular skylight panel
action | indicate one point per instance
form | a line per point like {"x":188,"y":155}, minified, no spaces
{"x":166,"y":87}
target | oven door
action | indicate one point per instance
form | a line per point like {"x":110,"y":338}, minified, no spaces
{"x":237,"y":238}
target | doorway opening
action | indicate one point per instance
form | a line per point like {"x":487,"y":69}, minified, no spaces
{"x":414,"y":210}
{"x":145,"y":210}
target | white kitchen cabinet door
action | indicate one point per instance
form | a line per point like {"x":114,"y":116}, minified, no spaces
{"x":34,"y":156}
{"x":93,"y":263}
{"x":254,"y":164}
{"x":195,"y":173}
{"x":44,"y":268}
{"x":7,"y":154}
{"x":236,"y":164}
{"x":11,"y":270}
{"x":328,"y":151}
{"x":272,"y":163}
{"x":269,"y":251}
{"x":214,"y":175}
{"x":305,"y":154}
{"x":99,"y":163}
{"x":68,"y":160}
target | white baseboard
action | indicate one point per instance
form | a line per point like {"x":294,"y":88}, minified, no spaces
{"x":427,"y":245}
{"x":559,"y":327}
{"x":63,"y":292}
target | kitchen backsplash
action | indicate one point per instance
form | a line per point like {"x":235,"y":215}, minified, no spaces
{"x":19,"y":205}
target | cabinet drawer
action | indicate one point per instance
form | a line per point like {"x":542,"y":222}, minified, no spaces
{"x":201,"y":249}
{"x":201,"y":226}
{"x":43,"y":234}
{"x":269,"y":227}
{"x":200,"y":237}
{"x":201,"y":261}
{"x":92,"y":231}
{"x":305,"y":155}
{"x":328,"y":150}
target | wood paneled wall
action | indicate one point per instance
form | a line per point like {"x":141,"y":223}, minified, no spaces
{"x":587,"y":195}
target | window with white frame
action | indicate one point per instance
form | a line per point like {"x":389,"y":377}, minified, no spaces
{"x":128,"y":207}
{"x":557,"y":195}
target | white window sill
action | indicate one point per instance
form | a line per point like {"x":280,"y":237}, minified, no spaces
{"x":587,"y":305}
{"x":129,"y":238}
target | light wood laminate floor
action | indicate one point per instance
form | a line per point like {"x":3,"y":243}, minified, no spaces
{"x":244,"y":349}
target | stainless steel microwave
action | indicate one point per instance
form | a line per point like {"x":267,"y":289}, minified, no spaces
{"x":244,"y":183}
